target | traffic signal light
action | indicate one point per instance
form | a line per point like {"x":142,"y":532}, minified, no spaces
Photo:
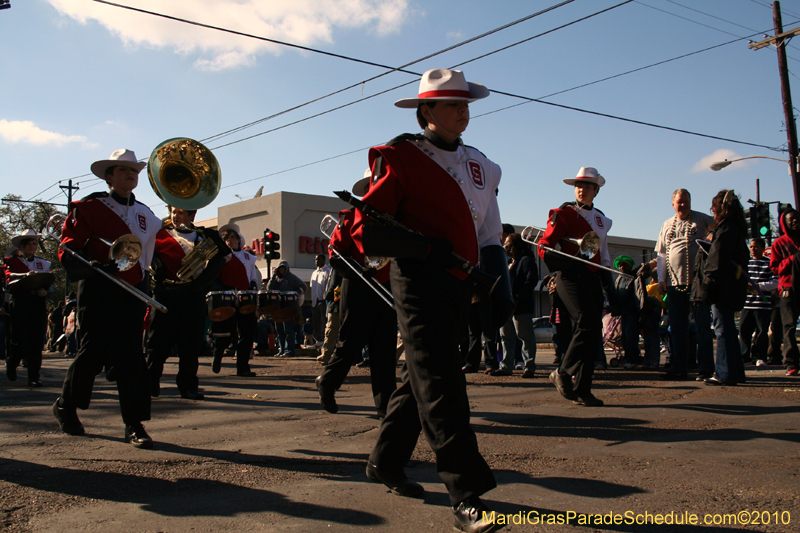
{"x":271,"y":245}
{"x":763,"y":226}
{"x":752,"y":222}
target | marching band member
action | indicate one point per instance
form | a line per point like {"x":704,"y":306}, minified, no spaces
{"x":578,"y":285}
{"x":28,"y":308}
{"x":185,"y":322}
{"x":365,"y":320}
{"x":109,"y":317}
{"x":239,"y":273}
{"x":447,"y":191}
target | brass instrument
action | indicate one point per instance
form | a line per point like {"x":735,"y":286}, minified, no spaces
{"x":184,"y":173}
{"x":326,"y":227}
{"x":125,"y":252}
{"x":588,"y":247}
{"x":195,"y":260}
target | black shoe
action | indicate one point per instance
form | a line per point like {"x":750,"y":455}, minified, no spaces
{"x":363,"y":364}
{"x":400,"y":485}
{"x":672,"y":376}
{"x":11,"y":371}
{"x":137,"y":436}
{"x":529,"y":373}
{"x":35,"y":383}
{"x":327,"y":396}
{"x":563,"y":383}
{"x":216,"y":364}
{"x":589,"y":400}
{"x":192,"y":395}
{"x":702,"y":376}
{"x":469,"y":369}
{"x":246,"y":374}
{"x":472,"y":516}
{"x":68,"y":420}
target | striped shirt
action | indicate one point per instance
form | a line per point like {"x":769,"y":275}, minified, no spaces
{"x":760,"y":273}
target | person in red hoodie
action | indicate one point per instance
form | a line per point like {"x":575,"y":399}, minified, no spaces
{"x":784,"y":262}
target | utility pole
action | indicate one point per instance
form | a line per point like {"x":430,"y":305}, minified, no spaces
{"x":780,"y":40}
{"x":69,"y":188}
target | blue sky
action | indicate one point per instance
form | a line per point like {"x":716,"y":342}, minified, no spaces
{"x":81,"y":79}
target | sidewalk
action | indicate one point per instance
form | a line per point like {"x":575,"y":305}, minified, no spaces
{"x":259,"y":454}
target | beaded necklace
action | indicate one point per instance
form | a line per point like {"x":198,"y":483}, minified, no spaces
{"x":689,"y":231}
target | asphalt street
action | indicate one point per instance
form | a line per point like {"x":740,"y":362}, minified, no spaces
{"x":260,"y":454}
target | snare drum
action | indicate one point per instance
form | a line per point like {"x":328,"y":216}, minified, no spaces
{"x":269,"y":302}
{"x":248,"y":301}
{"x":221,"y":305}
{"x":290,"y":307}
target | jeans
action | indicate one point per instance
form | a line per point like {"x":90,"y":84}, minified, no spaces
{"x":521,"y":326}
{"x":285,"y":337}
{"x":730,"y":366}
{"x":678,"y":307}
{"x":791,"y":354}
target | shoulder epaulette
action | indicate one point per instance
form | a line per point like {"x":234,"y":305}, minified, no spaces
{"x":599,"y":211}
{"x":468,"y":146}
{"x":404,"y":137}
{"x":94,"y":195}
{"x":567,"y":204}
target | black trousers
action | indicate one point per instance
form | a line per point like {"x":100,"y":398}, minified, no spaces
{"x":28,"y":327}
{"x":479,"y":327}
{"x":774,"y":354}
{"x":582,"y":296}
{"x":110,"y":329}
{"x":240,"y":327}
{"x":754,"y":321}
{"x":184,"y":326}
{"x":432,"y":309}
{"x":791,"y":355}
{"x":365,"y":320}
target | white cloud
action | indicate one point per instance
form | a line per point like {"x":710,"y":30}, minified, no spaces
{"x":304,"y":22}
{"x":18,"y":131}
{"x":719,"y":155}
{"x":455,"y":35}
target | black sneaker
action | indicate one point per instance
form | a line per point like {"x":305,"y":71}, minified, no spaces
{"x":472,"y":516}
{"x":137,"y":436}
{"x":68,"y":421}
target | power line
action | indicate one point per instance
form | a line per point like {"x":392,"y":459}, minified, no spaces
{"x":684,"y":18}
{"x":349,"y":58}
{"x":482,"y":56}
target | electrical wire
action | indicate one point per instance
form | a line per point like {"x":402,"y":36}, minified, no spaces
{"x":482,"y":56}
{"x":683,"y":18}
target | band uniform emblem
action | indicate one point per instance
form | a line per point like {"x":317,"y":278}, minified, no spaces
{"x":476,"y":172}
{"x":142,"y":221}
{"x":599,"y":221}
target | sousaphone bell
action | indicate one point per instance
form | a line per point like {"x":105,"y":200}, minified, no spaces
{"x":184,"y":173}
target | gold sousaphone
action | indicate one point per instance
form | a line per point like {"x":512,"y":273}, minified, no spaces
{"x":185,"y":174}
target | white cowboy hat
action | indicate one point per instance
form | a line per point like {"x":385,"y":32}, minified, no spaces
{"x":122,"y":157}
{"x":361,"y":186}
{"x":587,"y":175}
{"x":27,"y":234}
{"x":444,"y":84}
{"x":232,"y":227}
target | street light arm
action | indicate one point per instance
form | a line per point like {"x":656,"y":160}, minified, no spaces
{"x":719,"y":165}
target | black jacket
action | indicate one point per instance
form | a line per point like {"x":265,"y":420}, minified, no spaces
{"x":719,"y":277}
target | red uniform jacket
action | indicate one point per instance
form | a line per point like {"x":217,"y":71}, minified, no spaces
{"x":342,"y":241}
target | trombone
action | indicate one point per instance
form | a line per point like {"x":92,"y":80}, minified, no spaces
{"x":125,"y":252}
{"x":326,"y":227}
{"x":588,"y":247}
